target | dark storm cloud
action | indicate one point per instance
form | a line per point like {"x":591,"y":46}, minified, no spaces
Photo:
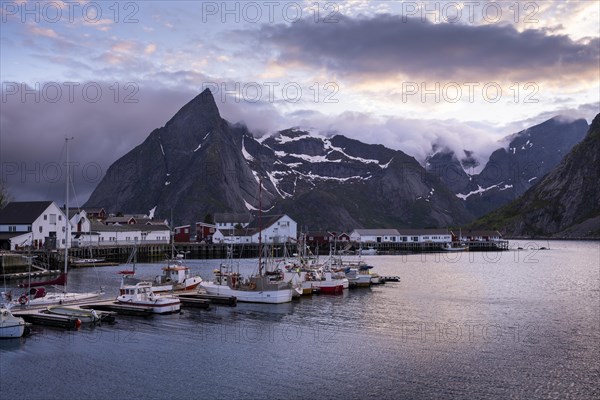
{"x":32,"y":132}
{"x":386,"y":45}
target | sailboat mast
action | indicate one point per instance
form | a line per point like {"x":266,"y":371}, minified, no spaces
{"x":67,"y":223}
{"x":260,"y":227}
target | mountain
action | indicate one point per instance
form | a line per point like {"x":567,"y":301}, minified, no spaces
{"x":199,"y":163}
{"x":565,"y":203}
{"x":511,"y":170}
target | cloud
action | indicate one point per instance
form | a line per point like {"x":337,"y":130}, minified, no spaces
{"x":387,"y":46}
{"x":32,"y":136}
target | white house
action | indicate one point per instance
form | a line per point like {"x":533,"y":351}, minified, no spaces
{"x":115,"y":234}
{"x":275,"y":229}
{"x":479,"y":236}
{"x":32,"y":223}
{"x":232,"y":236}
{"x":79,"y":220}
{"x":425,"y":236}
{"x":375,"y":235}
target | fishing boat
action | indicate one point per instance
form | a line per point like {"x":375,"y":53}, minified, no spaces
{"x":176,"y":276}
{"x":36,"y":295}
{"x":268,"y":286}
{"x":11,"y":326}
{"x":450,"y":247}
{"x":142,"y":295}
{"x":254,"y":289}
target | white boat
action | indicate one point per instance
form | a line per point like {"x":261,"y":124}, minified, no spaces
{"x":449,"y":247}
{"x":270,"y":285}
{"x":38,"y":297}
{"x":142,"y":295}
{"x":11,"y":326}
{"x":368,"y":252}
{"x":85,"y":316}
{"x":268,"y":288}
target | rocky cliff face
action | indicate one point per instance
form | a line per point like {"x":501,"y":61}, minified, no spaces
{"x":565,"y":203}
{"x":198,"y":163}
{"x":511,"y":170}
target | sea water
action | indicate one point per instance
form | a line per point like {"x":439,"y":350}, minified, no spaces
{"x":522,"y":323}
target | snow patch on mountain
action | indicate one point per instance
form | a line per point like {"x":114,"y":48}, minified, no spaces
{"x":481,"y":190}
{"x":245,"y":153}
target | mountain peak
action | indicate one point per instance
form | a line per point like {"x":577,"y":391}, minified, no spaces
{"x":205,"y":102}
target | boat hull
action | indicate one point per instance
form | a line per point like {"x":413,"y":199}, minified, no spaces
{"x":85,"y":316}
{"x":56,"y":298}
{"x":10,"y":326}
{"x":250,"y":296}
{"x":360,"y":281}
{"x":190,"y":284}
{"x":170,"y":307}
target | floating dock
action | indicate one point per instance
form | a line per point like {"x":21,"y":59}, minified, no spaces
{"x":211,"y":298}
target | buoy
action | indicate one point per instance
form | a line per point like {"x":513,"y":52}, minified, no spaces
{"x":77,"y":323}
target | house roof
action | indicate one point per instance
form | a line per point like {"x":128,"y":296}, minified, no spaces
{"x":10,"y":235}
{"x":23,"y":212}
{"x":99,"y":227}
{"x":320,"y":234}
{"x":232,"y":218}
{"x":235,"y":232}
{"x":113,"y":220}
{"x":73,"y":211}
{"x":377,"y":232}
{"x":419,"y":232}
{"x":265,"y":221}
{"x":94,"y":210}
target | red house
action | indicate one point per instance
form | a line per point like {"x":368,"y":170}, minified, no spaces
{"x":181,"y":234}
{"x":343,"y":237}
{"x":205,"y":232}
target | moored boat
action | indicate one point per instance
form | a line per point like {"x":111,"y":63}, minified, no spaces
{"x":449,"y":247}
{"x":176,"y":276}
{"x":86,"y":316}
{"x":142,"y":295}
{"x":11,"y":326}
{"x":267,"y":288}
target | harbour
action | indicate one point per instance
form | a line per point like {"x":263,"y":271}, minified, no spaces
{"x":507,"y":322}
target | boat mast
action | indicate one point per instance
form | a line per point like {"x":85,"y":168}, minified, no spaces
{"x":260,"y":227}
{"x":67,"y":222}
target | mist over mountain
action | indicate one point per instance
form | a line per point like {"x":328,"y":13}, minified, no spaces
{"x":565,"y":203}
{"x":512,"y":169}
{"x":199,"y":163}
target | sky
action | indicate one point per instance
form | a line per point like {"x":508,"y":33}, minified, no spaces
{"x":406,"y":74}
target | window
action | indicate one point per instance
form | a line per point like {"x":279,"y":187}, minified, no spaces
{"x":12,"y":228}
{"x":63,"y":241}
{"x":60,"y":217}
{"x":29,"y":228}
{"x":45,"y":217}
{"x":53,"y":219}
{"x":41,"y":229}
{"x":415,"y":238}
